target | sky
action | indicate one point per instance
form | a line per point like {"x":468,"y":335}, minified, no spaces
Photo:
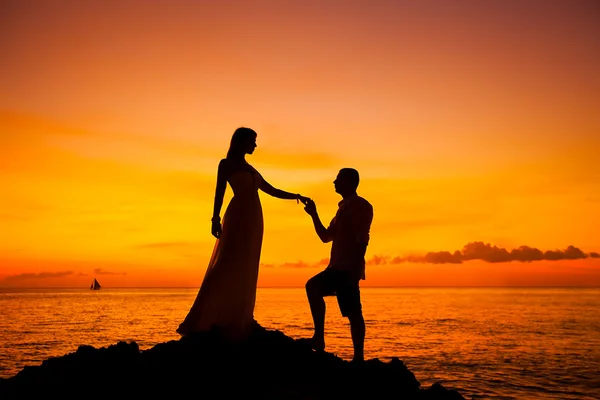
{"x":475,"y":127}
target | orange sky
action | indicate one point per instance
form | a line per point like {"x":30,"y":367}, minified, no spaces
{"x":468,"y":121}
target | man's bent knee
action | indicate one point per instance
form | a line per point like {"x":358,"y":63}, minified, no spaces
{"x":312,"y":287}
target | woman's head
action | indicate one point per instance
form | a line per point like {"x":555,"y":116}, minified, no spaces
{"x":243,"y":142}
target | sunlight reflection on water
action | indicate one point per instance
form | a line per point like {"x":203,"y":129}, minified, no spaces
{"x":487,"y":343}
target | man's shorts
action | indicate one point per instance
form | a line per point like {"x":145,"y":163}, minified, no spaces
{"x":338,"y":283}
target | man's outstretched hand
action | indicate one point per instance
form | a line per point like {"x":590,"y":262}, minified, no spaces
{"x":310,"y":207}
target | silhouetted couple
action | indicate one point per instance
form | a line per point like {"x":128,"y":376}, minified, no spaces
{"x":227,"y":295}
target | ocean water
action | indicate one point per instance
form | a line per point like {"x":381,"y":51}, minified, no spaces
{"x":488,"y":343}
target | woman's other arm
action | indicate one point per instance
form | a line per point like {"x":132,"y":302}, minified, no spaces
{"x":219,"y":194}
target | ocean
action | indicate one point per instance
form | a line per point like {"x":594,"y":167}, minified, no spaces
{"x":488,"y":343}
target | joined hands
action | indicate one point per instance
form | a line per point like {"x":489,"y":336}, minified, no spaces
{"x":309,"y":204}
{"x":302,"y":199}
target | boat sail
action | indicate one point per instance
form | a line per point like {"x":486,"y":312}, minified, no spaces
{"x":95,"y":285}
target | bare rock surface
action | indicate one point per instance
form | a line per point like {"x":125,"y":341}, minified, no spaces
{"x":268,"y":365}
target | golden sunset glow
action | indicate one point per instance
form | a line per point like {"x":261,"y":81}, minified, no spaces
{"x":467,"y":124}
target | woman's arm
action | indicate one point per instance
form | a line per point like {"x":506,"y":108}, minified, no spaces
{"x":280,"y":194}
{"x":219,"y":194}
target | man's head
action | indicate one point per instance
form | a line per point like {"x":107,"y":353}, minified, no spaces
{"x":346,"y":181}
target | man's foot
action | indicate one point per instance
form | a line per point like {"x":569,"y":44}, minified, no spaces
{"x":313,"y":343}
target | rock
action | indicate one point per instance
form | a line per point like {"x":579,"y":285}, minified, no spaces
{"x":437,"y":391}
{"x":268,"y":365}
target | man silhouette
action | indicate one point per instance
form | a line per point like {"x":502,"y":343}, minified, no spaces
{"x":349,"y":234}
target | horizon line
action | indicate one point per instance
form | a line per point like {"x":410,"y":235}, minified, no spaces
{"x":302,"y":287}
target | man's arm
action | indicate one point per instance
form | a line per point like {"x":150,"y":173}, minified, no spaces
{"x":322,"y":232}
{"x":360,"y":251}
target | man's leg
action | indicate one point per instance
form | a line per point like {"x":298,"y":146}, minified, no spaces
{"x":348,"y":294}
{"x":357,"y":330}
{"x":316,"y":289}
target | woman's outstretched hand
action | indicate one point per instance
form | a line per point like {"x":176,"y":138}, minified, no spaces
{"x":216,"y":229}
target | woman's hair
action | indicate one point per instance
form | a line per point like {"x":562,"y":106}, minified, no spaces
{"x":240,"y":137}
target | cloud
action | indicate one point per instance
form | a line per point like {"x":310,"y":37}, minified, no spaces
{"x":378,"y":260}
{"x":323,"y":262}
{"x":493,"y":254}
{"x":299,"y":264}
{"x":100,"y":271}
{"x":471,"y":251}
{"x":443,"y":257}
{"x":40,"y":275}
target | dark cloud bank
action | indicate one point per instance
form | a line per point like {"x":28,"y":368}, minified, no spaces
{"x":41,"y":275}
{"x":100,"y":271}
{"x":28,"y":276}
{"x":472,"y":251}
{"x":486,"y":252}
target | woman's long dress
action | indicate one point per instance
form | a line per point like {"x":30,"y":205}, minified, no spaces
{"x":228,"y":292}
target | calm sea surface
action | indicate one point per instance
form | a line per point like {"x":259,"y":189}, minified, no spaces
{"x":500,"y":343}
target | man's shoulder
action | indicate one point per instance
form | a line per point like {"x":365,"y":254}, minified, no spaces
{"x":361,"y":206}
{"x":362,"y":202}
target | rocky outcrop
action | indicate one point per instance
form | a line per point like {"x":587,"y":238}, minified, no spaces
{"x":269,"y":365}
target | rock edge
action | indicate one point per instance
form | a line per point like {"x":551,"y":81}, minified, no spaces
{"x":268,"y":365}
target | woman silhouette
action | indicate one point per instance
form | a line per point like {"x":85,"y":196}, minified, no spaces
{"x":228,"y":292}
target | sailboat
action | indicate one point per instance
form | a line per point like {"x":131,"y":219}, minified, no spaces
{"x":95,"y":285}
